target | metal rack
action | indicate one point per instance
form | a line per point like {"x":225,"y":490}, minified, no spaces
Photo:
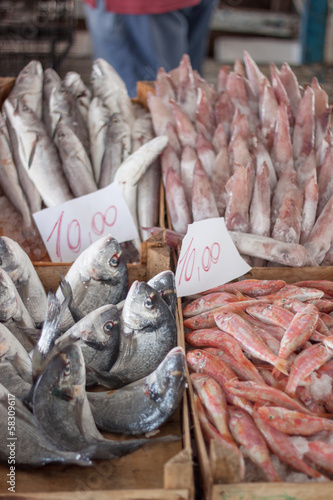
{"x":35,"y":29}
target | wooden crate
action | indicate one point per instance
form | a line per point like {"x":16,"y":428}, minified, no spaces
{"x":215,"y":466}
{"x":157,"y":471}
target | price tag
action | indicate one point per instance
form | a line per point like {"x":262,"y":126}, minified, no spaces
{"x":71,"y":227}
{"x":208,"y":258}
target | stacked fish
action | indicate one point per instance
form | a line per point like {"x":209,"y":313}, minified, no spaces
{"x":261,"y":355}
{"x":54,"y":347}
{"x":255,"y":151}
{"x":61,"y":140}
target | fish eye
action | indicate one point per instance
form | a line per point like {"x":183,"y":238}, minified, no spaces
{"x":198,"y":354}
{"x":114,"y":260}
{"x":148,"y":303}
{"x":67,"y":369}
{"x":108,"y":326}
{"x":25,"y":107}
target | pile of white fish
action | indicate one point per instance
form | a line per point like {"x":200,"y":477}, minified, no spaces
{"x":261,"y":356}
{"x":254,"y":150}
{"x":60,"y":140}
{"x":94,"y":330}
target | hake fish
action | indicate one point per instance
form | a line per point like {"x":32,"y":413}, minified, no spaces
{"x":97,"y":277}
{"x":38,"y":154}
{"x":17,"y":264}
{"x":28,"y":86}
{"x":145,"y":405}
{"x":148,"y":333}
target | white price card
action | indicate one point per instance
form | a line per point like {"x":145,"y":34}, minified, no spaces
{"x":208,"y":258}
{"x":71,"y":227}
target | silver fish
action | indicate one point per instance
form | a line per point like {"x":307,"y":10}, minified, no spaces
{"x":30,"y":447}
{"x":97,"y":277}
{"x":12,"y":351}
{"x":9,"y":179}
{"x":75,"y":161}
{"x":38,"y":154}
{"x":156,"y":397}
{"x":164,"y":283}
{"x":98,"y":118}
{"x":63,"y":412}
{"x":51,"y":80}
{"x":16,"y":262}
{"x":148,"y":333}
{"x":28,"y":86}
{"x":79,"y":90}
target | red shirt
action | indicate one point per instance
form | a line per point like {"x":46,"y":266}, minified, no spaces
{"x":144,"y":6}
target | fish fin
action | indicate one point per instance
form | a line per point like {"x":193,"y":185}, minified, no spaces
{"x":282,"y":365}
{"x":240,"y":296}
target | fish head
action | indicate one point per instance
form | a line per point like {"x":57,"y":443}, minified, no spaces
{"x":105,"y":327}
{"x":107,"y":262}
{"x":8,"y":257}
{"x":29,"y":73}
{"x":165,"y":284}
{"x":8,"y":297}
{"x":196,"y":360}
{"x":328,"y":341}
{"x":144,"y":309}
{"x":199,"y":380}
{"x":62,"y":137}
{"x":168,"y":381}
{"x":65,"y":375}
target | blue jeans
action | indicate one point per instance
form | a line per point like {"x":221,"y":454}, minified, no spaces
{"x":138,"y":45}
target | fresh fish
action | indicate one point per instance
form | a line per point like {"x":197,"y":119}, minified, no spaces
{"x":79,"y":91}
{"x":287,"y":180}
{"x":170,"y":159}
{"x":287,"y":254}
{"x":164,"y":89}
{"x":201,"y":361}
{"x":237,"y":209}
{"x":97,"y":277}
{"x":118,"y":147}
{"x":282,"y":446}
{"x":324,"y":285}
{"x":28,"y":86}
{"x":304,"y":130}
{"x":14,"y":383}
{"x":51,"y":80}
{"x":293,"y":89}
{"x":307,"y":361}
{"x":12,"y":351}
{"x":310,"y":206}
{"x":14,"y":313}
{"x":281,"y":93}
{"x":185,"y":128}
{"x":224,"y":111}
{"x":319,"y":240}
{"x":149,"y":198}
{"x":325,"y":183}
{"x":203,"y":200}
{"x":30,"y":446}
{"x":76,"y":164}
{"x":208,"y":302}
{"x":287,"y":226}
{"x":164,"y":283}
{"x":247,"y":435}
{"x":148,"y":333}
{"x":251,"y":287}
{"x":213,"y":400}
{"x":320,"y":454}
{"x":205,"y":117}
{"x":107,"y":84}
{"x":186,"y":89}
{"x":142,"y":406}
{"x":246,"y":335}
{"x":38,"y":154}
{"x":98,"y":118}
{"x":234,"y":461}
{"x":268,"y":110}
{"x":63,"y":412}
{"x":17,"y":264}
{"x":261,"y":156}
{"x":98,"y":335}
{"x":281,"y":152}
{"x":220,"y":174}
{"x":206,"y":153}
{"x":188,"y":161}
{"x":294,"y":422}
{"x":63,"y":108}
{"x":180,"y":212}
{"x":9,"y":180}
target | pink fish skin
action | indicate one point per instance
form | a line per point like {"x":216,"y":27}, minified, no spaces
{"x":179,"y":211}
{"x":307,"y":361}
{"x":320,"y":454}
{"x":213,"y":400}
{"x":185,"y":129}
{"x":294,"y":422}
{"x":237,"y":209}
{"x":300,"y":330}
{"x":265,"y":394}
{"x":319,"y":240}
{"x":247,"y":435}
{"x":304,"y":130}
{"x":208,"y":302}
{"x":282,"y":446}
{"x":246,"y":335}
{"x":325,"y":286}
{"x":251,"y":287}
{"x":210,"y":432}
{"x":203,"y":201}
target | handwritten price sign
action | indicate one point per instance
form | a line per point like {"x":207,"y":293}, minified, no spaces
{"x":70,"y":228}
{"x":208,"y":258}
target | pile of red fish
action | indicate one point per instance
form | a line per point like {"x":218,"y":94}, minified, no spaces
{"x":254,"y":150}
{"x":260,"y":355}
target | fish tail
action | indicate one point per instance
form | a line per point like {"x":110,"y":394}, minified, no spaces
{"x":282,"y":365}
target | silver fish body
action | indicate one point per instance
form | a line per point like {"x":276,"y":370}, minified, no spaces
{"x":28,"y":86}
{"x":145,"y":405}
{"x":164,"y":283}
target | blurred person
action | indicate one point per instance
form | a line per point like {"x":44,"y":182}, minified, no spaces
{"x":137,"y":37}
